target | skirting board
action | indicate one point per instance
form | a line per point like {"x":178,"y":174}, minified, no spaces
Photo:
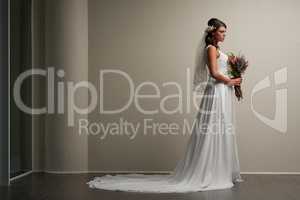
{"x":144,"y":172}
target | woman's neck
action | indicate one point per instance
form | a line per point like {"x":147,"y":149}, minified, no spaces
{"x":215,"y":43}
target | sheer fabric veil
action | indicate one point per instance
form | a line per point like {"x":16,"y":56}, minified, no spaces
{"x":201,"y":73}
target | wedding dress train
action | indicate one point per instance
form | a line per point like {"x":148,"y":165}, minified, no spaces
{"x":211,"y":158}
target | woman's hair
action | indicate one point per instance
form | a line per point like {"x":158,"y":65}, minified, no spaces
{"x":216,"y":24}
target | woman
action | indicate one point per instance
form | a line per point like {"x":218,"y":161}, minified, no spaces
{"x":211,"y":160}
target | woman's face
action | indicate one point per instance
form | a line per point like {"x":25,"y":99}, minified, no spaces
{"x":219,"y":34}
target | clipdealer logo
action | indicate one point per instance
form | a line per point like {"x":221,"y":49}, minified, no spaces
{"x":58,"y":90}
{"x":279,"y":122}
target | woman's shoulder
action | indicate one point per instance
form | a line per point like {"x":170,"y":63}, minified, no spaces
{"x":212,"y":48}
{"x":210,"y":45}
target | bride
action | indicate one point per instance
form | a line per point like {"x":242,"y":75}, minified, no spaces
{"x":211,"y":159}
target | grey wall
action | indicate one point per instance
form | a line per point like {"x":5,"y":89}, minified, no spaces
{"x":157,"y":41}
{"x":4,"y":176}
{"x":66,"y":49}
{"x":39,"y":83}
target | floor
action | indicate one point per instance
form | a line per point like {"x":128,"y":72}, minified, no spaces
{"x":40,"y":186}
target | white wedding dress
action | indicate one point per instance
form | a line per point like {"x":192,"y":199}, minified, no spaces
{"x":211,"y":159}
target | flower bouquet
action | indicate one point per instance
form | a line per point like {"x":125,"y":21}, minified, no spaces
{"x":237,"y":65}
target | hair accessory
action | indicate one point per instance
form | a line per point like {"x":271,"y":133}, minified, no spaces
{"x":210,"y":29}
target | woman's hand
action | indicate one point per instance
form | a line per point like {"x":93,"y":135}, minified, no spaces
{"x":235,"y":81}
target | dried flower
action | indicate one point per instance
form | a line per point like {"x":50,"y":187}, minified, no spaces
{"x":237,"y":66}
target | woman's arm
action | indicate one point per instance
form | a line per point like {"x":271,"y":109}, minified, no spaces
{"x":214,"y":71}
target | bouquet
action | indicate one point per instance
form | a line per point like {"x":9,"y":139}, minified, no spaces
{"x":237,"y":65}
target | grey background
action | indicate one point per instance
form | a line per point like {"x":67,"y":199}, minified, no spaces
{"x":157,"y":41}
